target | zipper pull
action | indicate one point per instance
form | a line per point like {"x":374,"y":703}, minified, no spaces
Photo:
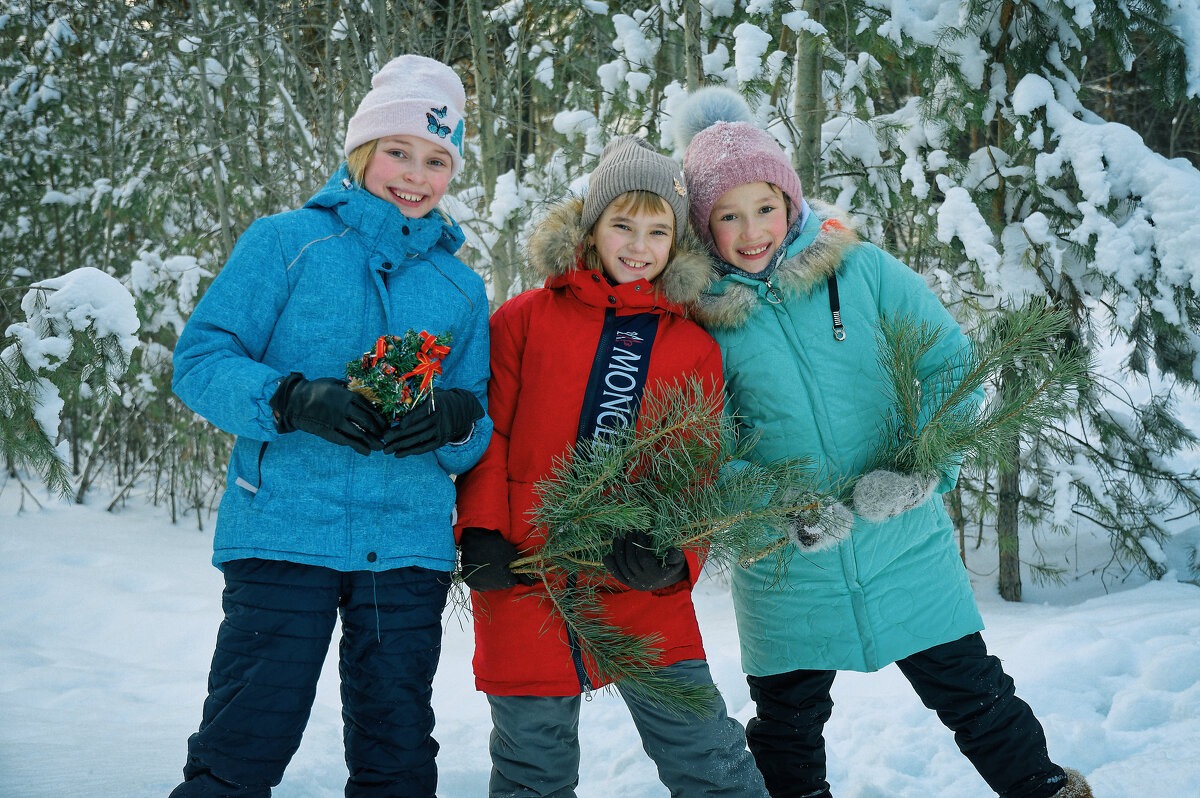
{"x":835,"y":309}
{"x":774,"y":295}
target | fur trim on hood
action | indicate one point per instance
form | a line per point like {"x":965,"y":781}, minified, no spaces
{"x":555,"y":246}
{"x":793,"y":276}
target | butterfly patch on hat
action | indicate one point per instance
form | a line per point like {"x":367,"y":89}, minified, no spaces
{"x":435,"y":124}
{"x":457,"y":137}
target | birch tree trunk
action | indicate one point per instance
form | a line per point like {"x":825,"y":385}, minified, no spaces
{"x":215,"y":146}
{"x":693,"y":68}
{"x":808,"y":105}
{"x":484,"y":70}
{"x":485,"y":96}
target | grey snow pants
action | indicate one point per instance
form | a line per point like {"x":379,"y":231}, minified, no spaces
{"x":535,"y":745}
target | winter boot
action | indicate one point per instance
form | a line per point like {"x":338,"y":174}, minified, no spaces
{"x":1076,"y":787}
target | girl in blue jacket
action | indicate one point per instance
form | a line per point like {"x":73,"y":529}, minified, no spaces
{"x":328,"y":510}
{"x":794,"y":304}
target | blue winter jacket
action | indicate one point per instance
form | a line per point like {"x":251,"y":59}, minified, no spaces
{"x":890,"y":589}
{"x":310,"y":290}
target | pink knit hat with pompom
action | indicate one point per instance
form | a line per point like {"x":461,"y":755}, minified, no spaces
{"x":724,"y":150}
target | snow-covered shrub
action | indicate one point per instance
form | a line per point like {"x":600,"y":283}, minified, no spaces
{"x":73,"y":347}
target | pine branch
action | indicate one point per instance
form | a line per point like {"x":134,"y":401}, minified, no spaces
{"x":937,"y":421}
{"x":684,"y":476}
{"x":619,"y":656}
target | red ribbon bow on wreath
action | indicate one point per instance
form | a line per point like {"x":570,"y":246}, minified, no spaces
{"x":381,"y":346}
{"x":429,"y":360}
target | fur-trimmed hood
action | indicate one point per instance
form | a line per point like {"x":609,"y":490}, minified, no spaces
{"x":818,"y":252}
{"x":556,"y":245}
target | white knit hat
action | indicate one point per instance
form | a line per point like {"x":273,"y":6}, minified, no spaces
{"x":412,"y":96}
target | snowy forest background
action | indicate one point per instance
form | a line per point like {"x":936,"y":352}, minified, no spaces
{"x":1005,"y":149}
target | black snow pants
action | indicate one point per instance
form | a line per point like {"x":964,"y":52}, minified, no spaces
{"x":279,"y":620}
{"x":966,"y":686}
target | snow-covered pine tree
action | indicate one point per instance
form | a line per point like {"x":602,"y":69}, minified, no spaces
{"x":983,"y":167}
{"x":72,"y":346}
{"x":138,"y":136}
{"x":558,"y":80}
{"x":77,"y":154}
{"x":923,"y":141}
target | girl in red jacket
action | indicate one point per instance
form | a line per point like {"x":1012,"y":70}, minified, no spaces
{"x":569,"y":360}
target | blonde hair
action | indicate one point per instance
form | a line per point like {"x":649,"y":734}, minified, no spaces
{"x":634,"y":203}
{"x":357,"y":160}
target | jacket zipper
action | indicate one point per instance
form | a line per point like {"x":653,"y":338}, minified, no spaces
{"x":585,"y":681}
{"x":773,"y":294}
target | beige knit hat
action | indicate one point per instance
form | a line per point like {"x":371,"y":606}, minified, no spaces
{"x":629,"y":163}
{"x":412,"y":96}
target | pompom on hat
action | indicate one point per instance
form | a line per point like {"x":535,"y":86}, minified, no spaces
{"x":412,"y":96}
{"x":723,"y":149}
{"x":629,"y":163}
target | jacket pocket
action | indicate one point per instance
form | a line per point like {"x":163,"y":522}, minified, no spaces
{"x":251,"y":481}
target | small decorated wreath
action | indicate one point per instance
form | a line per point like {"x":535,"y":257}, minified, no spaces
{"x":398,"y":373}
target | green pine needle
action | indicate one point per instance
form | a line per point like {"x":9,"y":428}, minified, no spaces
{"x":683,"y":476}
{"x":937,"y":422}
{"x":621,"y":657}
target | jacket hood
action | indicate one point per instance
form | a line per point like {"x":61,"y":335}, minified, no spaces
{"x":555,"y":247}
{"x":381,"y":223}
{"x":816,"y":253}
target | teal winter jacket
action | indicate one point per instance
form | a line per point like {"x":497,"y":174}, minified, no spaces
{"x":890,"y":589}
{"x":310,"y":290}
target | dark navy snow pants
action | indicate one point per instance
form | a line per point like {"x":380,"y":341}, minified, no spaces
{"x":279,"y":619}
{"x":965,"y":685}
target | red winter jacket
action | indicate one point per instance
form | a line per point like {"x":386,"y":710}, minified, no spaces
{"x":543,"y":344}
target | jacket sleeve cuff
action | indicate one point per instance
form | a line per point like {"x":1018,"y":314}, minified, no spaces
{"x":464,"y":439}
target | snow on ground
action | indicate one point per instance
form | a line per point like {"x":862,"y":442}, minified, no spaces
{"x":108,"y":624}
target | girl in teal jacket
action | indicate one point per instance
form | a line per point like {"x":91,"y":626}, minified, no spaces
{"x":794,"y":304}
{"x":329,"y":512}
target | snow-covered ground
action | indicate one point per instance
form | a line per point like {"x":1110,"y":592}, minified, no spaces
{"x":107,"y":624}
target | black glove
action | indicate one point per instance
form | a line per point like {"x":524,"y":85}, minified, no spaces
{"x":447,"y":415}
{"x":485,"y":556}
{"x":327,"y":408}
{"x":634,"y":563}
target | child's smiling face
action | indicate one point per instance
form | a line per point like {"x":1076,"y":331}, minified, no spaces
{"x":748,"y":223}
{"x":410,"y":173}
{"x":633,"y":244}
